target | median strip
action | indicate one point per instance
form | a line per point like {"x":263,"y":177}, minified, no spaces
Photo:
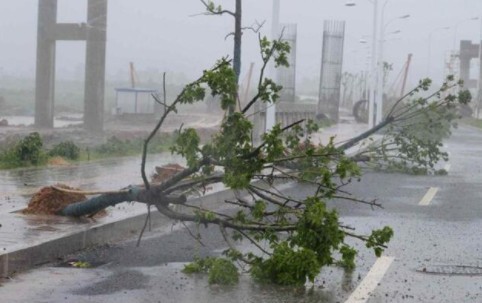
{"x":427,"y":199}
{"x":371,"y":281}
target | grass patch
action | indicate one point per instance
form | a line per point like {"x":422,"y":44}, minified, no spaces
{"x":115,"y":147}
{"x":30,"y":150}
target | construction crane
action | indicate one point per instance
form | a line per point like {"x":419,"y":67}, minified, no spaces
{"x":400,"y":82}
{"x":404,"y":82}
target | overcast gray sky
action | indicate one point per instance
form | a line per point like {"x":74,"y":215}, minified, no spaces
{"x":163,"y":35}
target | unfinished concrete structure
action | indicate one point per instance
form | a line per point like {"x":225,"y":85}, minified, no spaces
{"x":468,"y":51}
{"x":286,"y":76}
{"x":331,"y":69}
{"x":94,"y":33}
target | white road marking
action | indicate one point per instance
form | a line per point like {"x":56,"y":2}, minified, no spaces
{"x":370,"y":282}
{"x":447,"y":167}
{"x":432,"y":191}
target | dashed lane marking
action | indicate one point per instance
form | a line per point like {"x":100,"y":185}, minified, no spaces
{"x":432,"y":191}
{"x":370,"y":282}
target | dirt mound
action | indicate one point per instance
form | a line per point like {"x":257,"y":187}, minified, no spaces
{"x":165,"y":172}
{"x":57,"y":161}
{"x":50,"y":201}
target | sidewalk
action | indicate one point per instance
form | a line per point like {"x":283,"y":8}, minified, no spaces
{"x":29,"y":240}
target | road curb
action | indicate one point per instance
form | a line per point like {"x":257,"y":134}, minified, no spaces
{"x":53,"y":248}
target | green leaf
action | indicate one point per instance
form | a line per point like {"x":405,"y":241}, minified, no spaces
{"x":187,"y":145}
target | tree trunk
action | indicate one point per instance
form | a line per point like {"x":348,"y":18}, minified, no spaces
{"x":237,"y":46}
{"x":237,"y":39}
{"x":93,"y":205}
{"x":368,"y":133}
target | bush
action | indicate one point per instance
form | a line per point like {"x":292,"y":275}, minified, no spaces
{"x":66,"y":149}
{"x":29,"y":149}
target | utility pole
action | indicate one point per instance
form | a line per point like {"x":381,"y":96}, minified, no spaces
{"x":373,"y":73}
{"x":479,"y":82}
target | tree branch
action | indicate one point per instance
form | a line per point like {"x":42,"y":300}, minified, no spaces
{"x":352,"y":142}
{"x":213,"y":11}
{"x":261,"y":76}
{"x":248,"y":227}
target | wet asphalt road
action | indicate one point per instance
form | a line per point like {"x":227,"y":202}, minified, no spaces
{"x":445,"y":232}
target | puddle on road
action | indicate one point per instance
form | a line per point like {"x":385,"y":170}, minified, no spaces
{"x":168,"y":284}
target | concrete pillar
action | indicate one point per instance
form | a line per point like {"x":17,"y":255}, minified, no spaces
{"x":95,"y":65}
{"x":45,"y":72}
{"x":479,"y":81}
{"x":94,"y":33}
{"x":465,"y":58}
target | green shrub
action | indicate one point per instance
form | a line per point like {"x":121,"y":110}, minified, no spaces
{"x":66,"y":149}
{"x":27,"y":151}
{"x":8,"y":159}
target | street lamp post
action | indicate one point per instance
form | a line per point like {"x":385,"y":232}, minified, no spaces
{"x":380,"y":84}
{"x":375,"y":78}
{"x":373,"y":72}
{"x":376,"y":74}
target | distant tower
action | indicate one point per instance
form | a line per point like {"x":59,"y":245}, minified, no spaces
{"x":94,"y":33}
{"x":331,"y":69}
{"x":286,"y":76}
{"x":468,"y":51}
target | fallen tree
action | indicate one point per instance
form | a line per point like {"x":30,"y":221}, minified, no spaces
{"x":303,"y":235}
{"x":415,"y":127}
